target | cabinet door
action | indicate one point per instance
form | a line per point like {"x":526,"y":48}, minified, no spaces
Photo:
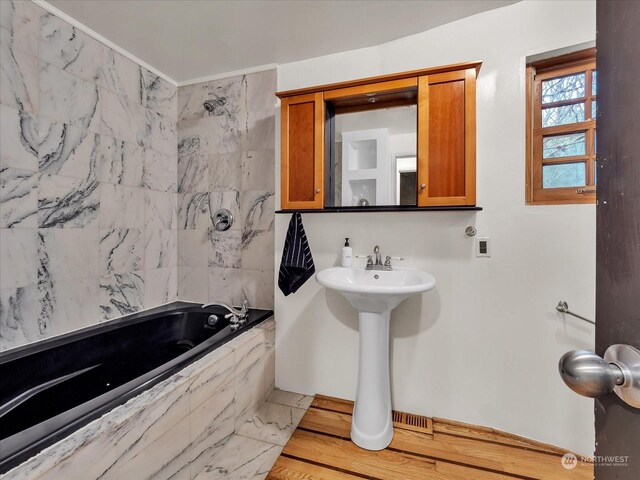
{"x":302,"y":151}
{"x":447,"y":138}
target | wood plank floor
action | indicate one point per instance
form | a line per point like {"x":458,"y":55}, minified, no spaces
{"x":422,"y":448}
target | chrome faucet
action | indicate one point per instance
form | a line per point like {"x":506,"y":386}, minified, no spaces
{"x":238,"y":317}
{"x":376,"y":251}
{"x":378,"y":265}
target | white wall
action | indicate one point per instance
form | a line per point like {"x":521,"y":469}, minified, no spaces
{"x":483,"y":346}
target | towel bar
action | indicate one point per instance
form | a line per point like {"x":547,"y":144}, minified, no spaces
{"x":563,"y":307}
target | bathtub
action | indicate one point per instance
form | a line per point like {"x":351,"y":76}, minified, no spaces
{"x":52,"y":388}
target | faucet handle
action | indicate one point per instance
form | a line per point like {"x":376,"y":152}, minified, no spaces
{"x":238,"y":317}
{"x":369,"y":260}
{"x":242,"y":312}
{"x":244,"y":309}
{"x":387,"y":261}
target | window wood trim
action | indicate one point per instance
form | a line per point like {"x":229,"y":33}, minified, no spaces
{"x":535,"y":73}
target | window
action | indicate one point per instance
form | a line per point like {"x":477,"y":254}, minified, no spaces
{"x":561,"y":129}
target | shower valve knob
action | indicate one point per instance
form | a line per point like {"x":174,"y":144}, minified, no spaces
{"x":222,"y":220}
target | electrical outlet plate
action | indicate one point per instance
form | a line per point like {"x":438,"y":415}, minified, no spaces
{"x":483,"y":247}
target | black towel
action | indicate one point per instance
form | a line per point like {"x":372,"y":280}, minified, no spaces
{"x":296,"y":266}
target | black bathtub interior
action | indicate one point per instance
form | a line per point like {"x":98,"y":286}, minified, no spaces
{"x":53,"y":387}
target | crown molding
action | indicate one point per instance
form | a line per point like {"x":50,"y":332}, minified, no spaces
{"x":235,"y":73}
{"x":92,"y":33}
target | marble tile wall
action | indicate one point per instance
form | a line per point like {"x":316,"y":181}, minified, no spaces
{"x":88,"y":180}
{"x":226,"y":158}
{"x":109,"y":177}
{"x":176,"y":428}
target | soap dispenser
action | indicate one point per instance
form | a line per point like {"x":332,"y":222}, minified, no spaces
{"x":347,"y":254}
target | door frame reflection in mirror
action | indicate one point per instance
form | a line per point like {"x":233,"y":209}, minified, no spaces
{"x":405,"y":164}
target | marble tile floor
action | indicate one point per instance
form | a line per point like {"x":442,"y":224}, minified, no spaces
{"x":253,"y":449}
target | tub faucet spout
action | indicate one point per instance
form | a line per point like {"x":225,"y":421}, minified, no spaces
{"x":237,"y":316}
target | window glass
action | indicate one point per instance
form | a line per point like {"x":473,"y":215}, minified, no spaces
{"x":564,"y":175}
{"x":564,"y":145}
{"x":568,"y":87}
{"x":563,"y":115}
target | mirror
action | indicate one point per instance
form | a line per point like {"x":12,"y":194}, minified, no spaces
{"x":371,"y":156}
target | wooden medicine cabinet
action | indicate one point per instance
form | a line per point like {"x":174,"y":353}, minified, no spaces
{"x":394,"y":142}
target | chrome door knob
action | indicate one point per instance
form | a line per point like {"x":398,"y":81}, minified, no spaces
{"x":423,"y":186}
{"x":589,"y":375}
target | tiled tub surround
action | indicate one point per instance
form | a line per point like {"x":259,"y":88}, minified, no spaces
{"x":178,"y":427}
{"x":88,"y":180}
{"x":106,"y":202}
{"x":226,"y":159}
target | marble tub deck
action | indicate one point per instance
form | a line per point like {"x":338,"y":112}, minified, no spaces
{"x":254,"y":448}
{"x":209,"y":420}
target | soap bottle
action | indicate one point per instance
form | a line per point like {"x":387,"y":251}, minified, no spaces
{"x":347,"y":254}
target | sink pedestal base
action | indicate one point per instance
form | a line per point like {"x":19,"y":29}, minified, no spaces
{"x":374,"y":293}
{"x":372,"y":425}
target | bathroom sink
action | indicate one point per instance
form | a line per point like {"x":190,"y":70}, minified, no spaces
{"x":375,"y":290}
{"x":374,"y":293}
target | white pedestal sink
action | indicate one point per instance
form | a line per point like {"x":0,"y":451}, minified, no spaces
{"x":374,"y":293}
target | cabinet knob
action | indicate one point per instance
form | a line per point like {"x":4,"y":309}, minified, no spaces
{"x":423,"y":186}
{"x":317,"y":190}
